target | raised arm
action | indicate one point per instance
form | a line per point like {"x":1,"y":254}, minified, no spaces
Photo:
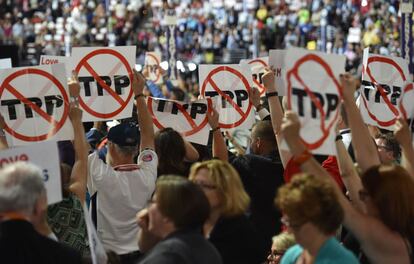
{"x":80,"y":168}
{"x":191,"y":154}
{"x":375,"y":238}
{"x":254,"y":96}
{"x":144,"y":118}
{"x":219,"y":145}
{"x":276,"y":112}
{"x":3,"y":141}
{"x":365,"y":149}
{"x":403,"y":135}
{"x":349,"y":175}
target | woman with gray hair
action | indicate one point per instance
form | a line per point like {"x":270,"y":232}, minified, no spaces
{"x":23,"y":204}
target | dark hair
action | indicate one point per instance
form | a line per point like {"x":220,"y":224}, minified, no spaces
{"x":182,"y":201}
{"x":308,"y":198}
{"x":391,"y":144}
{"x":392,"y":191}
{"x":264,"y":130}
{"x":170,"y":148}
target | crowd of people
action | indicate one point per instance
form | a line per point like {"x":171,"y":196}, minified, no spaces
{"x":207,"y":31}
{"x":154,"y":197}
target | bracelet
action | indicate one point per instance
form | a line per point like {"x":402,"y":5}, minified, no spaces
{"x":338,"y":137}
{"x":268,"y":95}
{"x":215,"y":129}
{"x":259,"y":107}
{"x":302,"y":158}
{"x":138,"y":96}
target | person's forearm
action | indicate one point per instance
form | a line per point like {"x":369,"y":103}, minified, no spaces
{"x":276,"y":113}
{"x":219,"y":146}
{"x":365,"y":149}
{"x":145,"y":124}
{"x":349,"y":175}
{"x":191,"y":154}
{"x":80,"y":168}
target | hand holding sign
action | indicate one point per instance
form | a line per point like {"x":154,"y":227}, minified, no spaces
{"x":269,"y":81}
{"x":73,"y":84}
{"x":213,"y":118}
{"x":138,"y":83}
{"x":348,"y":87}
{"x":290,"y":127}
{"x":402,"y":132}
{"x":254,"y":95}
{"x":2,"y":122}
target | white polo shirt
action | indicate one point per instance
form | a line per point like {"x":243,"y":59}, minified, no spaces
{"x":122,"y":192}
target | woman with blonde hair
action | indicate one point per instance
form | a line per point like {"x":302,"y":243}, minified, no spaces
{"x":228,"y":228}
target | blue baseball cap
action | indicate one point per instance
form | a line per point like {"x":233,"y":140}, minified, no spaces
{"x":125,"y":134}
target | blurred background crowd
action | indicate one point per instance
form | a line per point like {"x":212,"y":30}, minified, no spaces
{"x":214,"y":31}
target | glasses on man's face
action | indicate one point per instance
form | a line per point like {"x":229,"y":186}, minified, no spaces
{"x":385,"y":148}
{"x":206,"y":186}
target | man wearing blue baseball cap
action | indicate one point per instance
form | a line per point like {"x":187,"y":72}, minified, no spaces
{"x":124,"y":187}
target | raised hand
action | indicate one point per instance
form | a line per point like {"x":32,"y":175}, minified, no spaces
{"x":138,"y":83}
{"x":254,"y":96}
{"x":268,"y":79}
{"x":73,"y":84}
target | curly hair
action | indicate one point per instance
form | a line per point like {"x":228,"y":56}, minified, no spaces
{"x":308,"y":198}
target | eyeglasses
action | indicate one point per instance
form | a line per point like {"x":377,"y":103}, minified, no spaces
{"x":363,"y":195}
{"x":274,"y":256}
{"x":206,"y":186}
{"x":384,"y":148}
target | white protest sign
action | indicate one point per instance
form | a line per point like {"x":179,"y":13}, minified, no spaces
{"x":314,"y":92}
{"x":105,"y":76}
{"x":152,"y":62}
{"x":232,"y":83}
{"x":47,"y":60}
{"x":47,"y":161}
{"x":276,"y":61}
{"x":258,"y":66}
{"x":98,"y":253}
{"x":5,"y":63}
{"x":386,"y":90}
{"x":190,"y":119}
{"x":34,"y":102}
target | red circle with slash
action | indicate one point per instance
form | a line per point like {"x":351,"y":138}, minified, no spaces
{"x":259,"y":85}
{"x":123,"y":104}
{"x":56,"y":125}
{"x":209,"y":79}
{"x":194,"y":127}
{"x":294,"y":71}
{"x":383,"y":94}
{"x":158,"y":64}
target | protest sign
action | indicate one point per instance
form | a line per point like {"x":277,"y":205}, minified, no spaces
{"x":189,"y":119}
{"x":232,"y":83}
{"x":258,"y":66}
{"x":35,"y":104}
{"x":386,"y":90}
{"x":5,"y":63}
{"x":105,"y":76}
{"x":276,"y":62}
{"x":48,"y":60}
{"x":152,"y":62}
{"x":48,"y":162}
{"x":314,"y":92}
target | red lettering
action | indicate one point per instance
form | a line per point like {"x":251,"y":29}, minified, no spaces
{"x":48,"y":61}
